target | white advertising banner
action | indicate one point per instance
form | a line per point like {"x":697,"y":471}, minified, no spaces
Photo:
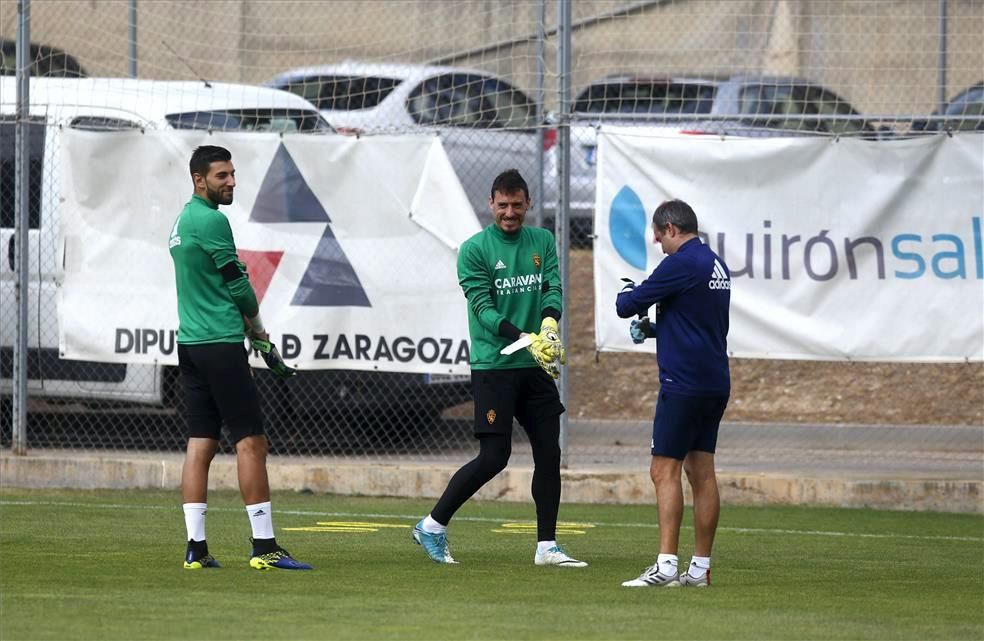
{"x":838,"y":249}
{"x":350,"y":244}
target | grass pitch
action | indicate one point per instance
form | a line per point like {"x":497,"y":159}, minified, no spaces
{"x":107,"y":565}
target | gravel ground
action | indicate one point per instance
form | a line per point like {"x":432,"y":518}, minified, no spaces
{"x":624,"y":386}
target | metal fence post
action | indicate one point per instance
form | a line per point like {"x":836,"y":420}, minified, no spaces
{"x":941,"y":61}
{"x":132,"y":36}
{"x":22,"y":226}
{"x":541,"y":42}
{"x":564,"y":191}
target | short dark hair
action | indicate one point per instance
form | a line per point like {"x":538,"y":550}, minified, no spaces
{"x":507,"y":182}
{"x":677,"y":212}
{"x":204,"y":156}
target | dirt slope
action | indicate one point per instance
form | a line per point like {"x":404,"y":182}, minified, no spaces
{"x":624,"y":386}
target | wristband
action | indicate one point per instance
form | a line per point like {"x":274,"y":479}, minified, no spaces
{"x":256,"y":324}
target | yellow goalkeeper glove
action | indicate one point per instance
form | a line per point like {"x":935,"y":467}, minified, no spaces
{"x":547,"y":349}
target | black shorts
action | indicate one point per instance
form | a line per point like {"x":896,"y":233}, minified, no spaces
{"x":528,"y":394}
{"x":218,"y":387}
{"x":686,"y":423}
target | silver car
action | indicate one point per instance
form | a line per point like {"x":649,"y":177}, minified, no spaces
{"x":747,"y":105}
{"x":964,"y":112}
{"x":485,"y":124}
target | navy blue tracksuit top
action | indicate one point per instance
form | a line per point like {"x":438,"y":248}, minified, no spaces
{"x":693,"y":288}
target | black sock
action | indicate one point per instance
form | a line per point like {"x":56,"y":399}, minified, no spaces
{"x":493,"y":454}
{"x":264,"y":546}
{"x":544,"y":439}
{"x":200,"y":548}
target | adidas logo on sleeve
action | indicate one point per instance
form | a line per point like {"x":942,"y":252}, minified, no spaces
{"x":719,"y":277}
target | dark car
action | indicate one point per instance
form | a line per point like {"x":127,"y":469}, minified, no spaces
{"x":744,"y":106}
{"x":47,"y":61}
{"x":964,"y":112}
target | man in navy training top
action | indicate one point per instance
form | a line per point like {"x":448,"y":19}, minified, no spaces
{"x":691,"y":289}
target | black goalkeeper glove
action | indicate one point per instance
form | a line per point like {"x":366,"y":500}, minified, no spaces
{"x":271,"y":356}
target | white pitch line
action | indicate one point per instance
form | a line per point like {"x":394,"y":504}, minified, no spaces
{"x":482,"y":519}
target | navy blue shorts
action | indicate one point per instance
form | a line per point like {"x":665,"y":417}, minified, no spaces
{"x":686,"y":423}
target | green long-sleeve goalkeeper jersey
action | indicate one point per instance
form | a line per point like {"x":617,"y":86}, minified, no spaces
{"x":507,"y":277}
{"x":210,"y":308}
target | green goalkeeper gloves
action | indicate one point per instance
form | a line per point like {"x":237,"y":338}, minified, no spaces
{"x":271,"y":356}
{"x":547,"y":349}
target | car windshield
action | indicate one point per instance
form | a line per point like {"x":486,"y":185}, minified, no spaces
{"x":974,"y":95}
{"x":799,"y":108}
{"x":470,"y":100}
{"x":646,"y":98}
{"x":774,"y":103}
{"x":277,"y":120}
{"x":970,"y":107}
{"x":343,"y":93}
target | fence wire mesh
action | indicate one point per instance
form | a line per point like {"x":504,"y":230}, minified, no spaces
{"x":483,"y":76}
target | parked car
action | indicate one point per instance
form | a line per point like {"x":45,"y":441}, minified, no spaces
{"x":47,"y":61}
{"x":107,"y":104}
{"x":745,"y":105}
{"x":486,"y":125}
{"x":964,"y":112}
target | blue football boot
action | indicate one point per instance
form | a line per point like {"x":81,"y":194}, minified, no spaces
{"x":436,"y":545}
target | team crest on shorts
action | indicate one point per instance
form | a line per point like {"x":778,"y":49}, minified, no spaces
{"x":490,"y":415}
{"x":536,"y":260}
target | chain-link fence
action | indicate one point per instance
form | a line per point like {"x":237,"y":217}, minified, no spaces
{"x":484,"y":76}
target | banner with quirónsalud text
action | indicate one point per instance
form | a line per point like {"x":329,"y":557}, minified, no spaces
{"x":839,"y":249}
{"x":350,"y":244}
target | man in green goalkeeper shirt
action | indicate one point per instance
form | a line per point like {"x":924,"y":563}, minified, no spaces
{"x":510,"y":278}
{"x":216,"y":308}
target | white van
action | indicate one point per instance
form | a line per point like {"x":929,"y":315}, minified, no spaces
{"x":103,"y":104}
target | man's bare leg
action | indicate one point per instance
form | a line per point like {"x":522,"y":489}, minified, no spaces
{"x":194,"y":471}
{"x":699,"y":467}
{"x":251,"y":454}
{"x":665,"y":473}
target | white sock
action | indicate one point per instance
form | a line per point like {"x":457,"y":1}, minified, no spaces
{"x":195,"y":520}
{"x":667,"y":563}
{"x":433,"y":527}
{"x":543,"y":546}
{"x":699,"y":565}
{"x":261,"y":520}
